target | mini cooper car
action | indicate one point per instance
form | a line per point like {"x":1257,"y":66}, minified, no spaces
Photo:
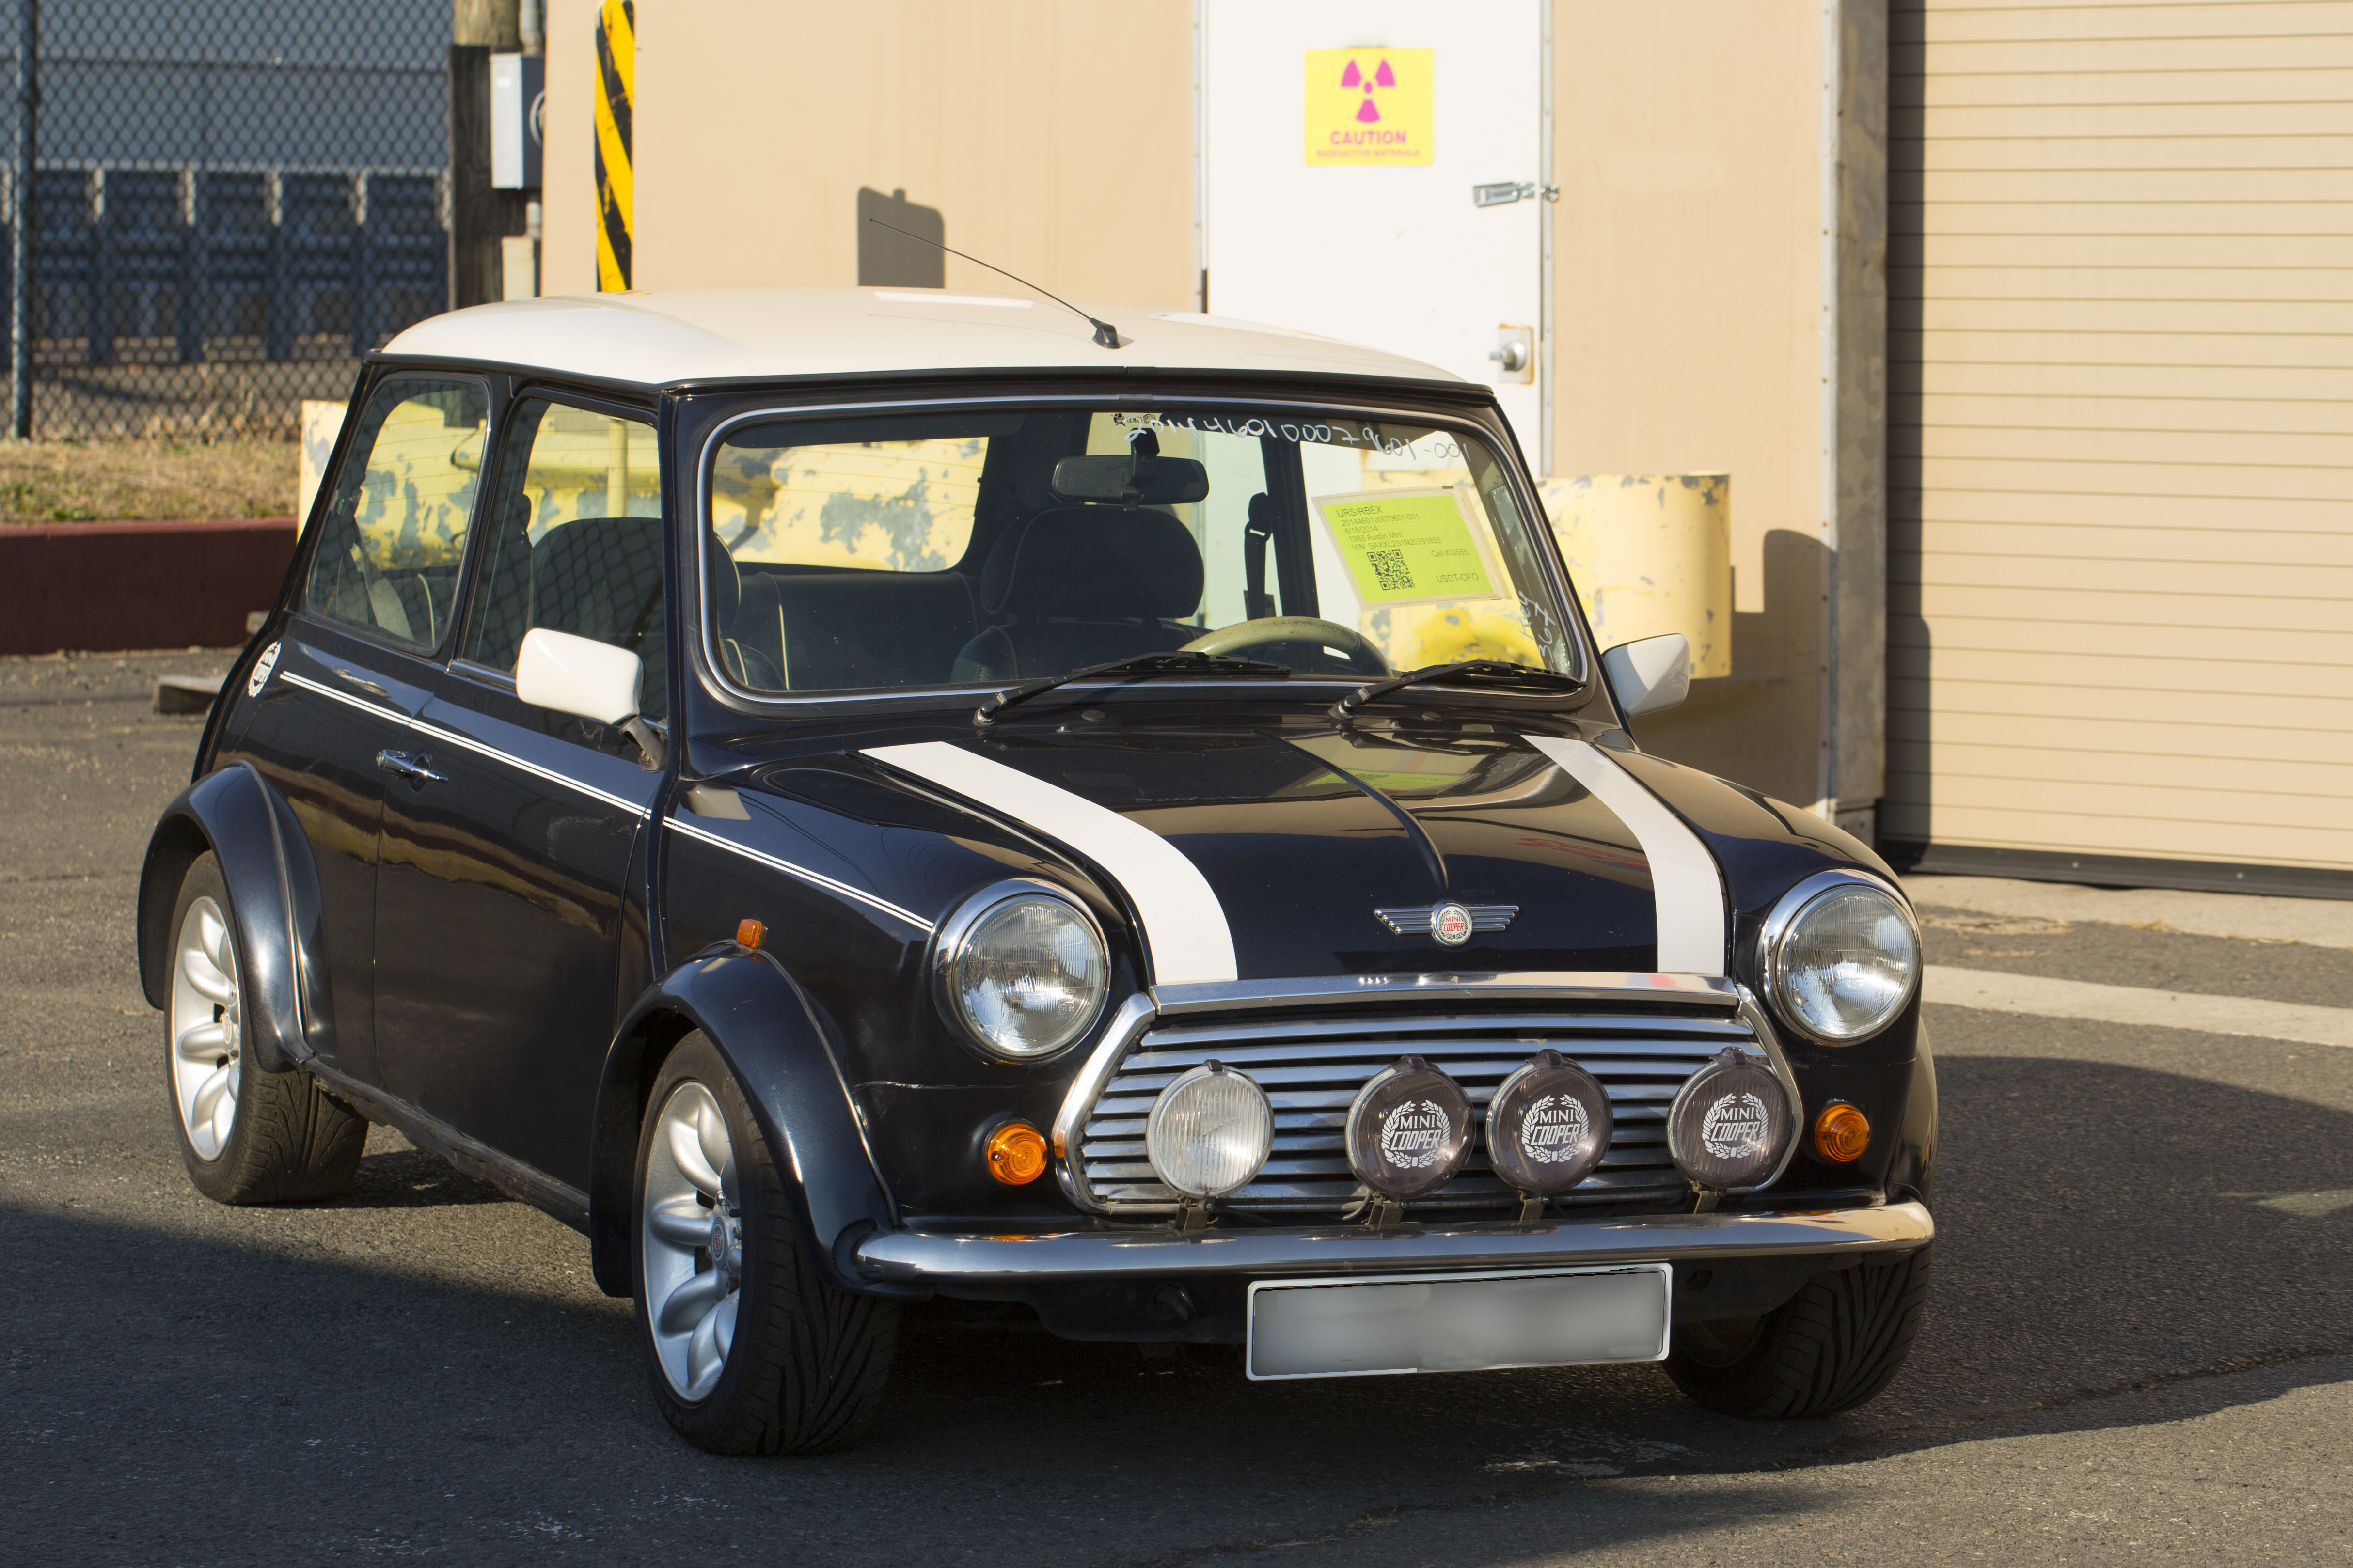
{"x":848,"y":798}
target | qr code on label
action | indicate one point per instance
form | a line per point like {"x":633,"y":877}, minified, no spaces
{"x":1389,"y":570}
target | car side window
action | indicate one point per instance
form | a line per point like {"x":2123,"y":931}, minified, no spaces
{"x":394,"y":535}
{"x":575,"y":540}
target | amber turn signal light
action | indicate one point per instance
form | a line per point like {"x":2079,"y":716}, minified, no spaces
{"x":1841,"y":1132}
{"x":1017,"y":1153}
{"x":749,"y":934}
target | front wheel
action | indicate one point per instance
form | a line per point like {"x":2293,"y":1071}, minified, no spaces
{"x":747,"y":1349}
{"x":1832,"y":1345}
{"x":247,"y":1136}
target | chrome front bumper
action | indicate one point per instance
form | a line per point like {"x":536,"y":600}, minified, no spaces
{"x":915,"y":1256}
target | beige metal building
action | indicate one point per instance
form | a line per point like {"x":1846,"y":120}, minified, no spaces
{"x":2021,"y":329}
{"x":2121,"y":367}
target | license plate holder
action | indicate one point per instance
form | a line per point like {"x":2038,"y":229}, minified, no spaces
{"x":1388,"y":1325}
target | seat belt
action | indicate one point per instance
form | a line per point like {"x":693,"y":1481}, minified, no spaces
{"x":1257,"y":604}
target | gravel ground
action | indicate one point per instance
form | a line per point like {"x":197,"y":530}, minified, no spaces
{"x":2140,"y":1346}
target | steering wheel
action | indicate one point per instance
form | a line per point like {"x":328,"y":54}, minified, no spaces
{"x":1272,"y":630}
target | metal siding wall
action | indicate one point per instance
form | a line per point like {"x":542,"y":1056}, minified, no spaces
{"x":2121,"y":435}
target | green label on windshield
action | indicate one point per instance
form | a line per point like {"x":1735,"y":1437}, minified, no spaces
{"x":1405,"y":545}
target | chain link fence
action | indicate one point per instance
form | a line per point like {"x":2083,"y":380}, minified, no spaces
{"x":229,"y":202}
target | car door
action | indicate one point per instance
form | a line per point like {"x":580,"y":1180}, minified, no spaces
{"x":358,"y":659}
{"x":501,"y":891}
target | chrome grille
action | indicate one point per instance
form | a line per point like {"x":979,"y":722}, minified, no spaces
{"x":1313,"y":1067}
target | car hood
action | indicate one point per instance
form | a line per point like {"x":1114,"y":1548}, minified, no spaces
{"x":1264,"y":856}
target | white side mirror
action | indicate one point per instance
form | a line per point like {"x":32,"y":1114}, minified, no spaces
{"x":578,"y":675}
{"x":1649,"y":676}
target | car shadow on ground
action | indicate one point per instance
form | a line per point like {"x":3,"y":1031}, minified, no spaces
{"x":490,"y":1386}
{"x":410,"y":1177}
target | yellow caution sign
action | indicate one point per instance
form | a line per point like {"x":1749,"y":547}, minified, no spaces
{"x":1369,"y":105}
{"x":617,"y":72}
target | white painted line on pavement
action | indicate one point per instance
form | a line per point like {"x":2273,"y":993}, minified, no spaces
{"x":2049,"y":998}
{"x":2321,"y":923}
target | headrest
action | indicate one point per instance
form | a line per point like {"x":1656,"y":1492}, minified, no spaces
{"x":1095,"y":563}
{"x":1132,"y":478}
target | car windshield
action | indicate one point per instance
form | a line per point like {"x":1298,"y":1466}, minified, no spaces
{"x":926,"y":550}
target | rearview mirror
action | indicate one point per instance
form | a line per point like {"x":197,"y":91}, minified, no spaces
{"x":1649,"y":676}
{"x":578,"y":675}
{"x":1137,"y":479}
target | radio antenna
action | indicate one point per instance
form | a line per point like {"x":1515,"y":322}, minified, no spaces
{"x":1105,"y":333}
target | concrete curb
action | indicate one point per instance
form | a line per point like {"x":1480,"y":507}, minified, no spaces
{"x":138,"y":585}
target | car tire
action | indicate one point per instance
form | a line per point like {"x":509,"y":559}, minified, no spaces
{"x":247,"y":1136}
{"x":1833,"y":1345}
{"x":748,"y":1350}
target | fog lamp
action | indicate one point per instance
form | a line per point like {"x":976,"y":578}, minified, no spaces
{"x":1731,"y":1124}
{"x":1841,"y":1132}
{"x":1410,"y":1130}
{"x":1017,"y":1153}
{"x":1547,"y":1126}
{"x":1209,"y":1131}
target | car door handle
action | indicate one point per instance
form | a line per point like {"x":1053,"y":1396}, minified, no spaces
{"x":415,"y":770}
{"x":361,"y":682}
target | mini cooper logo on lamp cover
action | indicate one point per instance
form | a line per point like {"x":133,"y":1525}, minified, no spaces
{"x":1410,"y":1130}
{"x":1736,"y":1126}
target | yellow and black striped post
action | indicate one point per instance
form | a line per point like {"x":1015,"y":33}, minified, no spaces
{"x":617,"y":72}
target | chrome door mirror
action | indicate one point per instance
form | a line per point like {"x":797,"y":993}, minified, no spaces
{"x":1649,"y":676}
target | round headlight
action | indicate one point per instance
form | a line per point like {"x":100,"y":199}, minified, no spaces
{"x":1022,"y":970}
{"x":1730,"y":1126}
{"x":1547,"y":1126}
{"x":1209,"y":1131}
{"x":1841,"y":961}
{"x":1410,"y":1130}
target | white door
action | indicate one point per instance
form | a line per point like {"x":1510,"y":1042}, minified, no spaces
{"x":1340,"y":144}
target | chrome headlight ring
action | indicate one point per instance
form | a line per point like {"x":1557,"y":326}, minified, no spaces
{"x":1776,"y":972}
{"x":954,"y":941}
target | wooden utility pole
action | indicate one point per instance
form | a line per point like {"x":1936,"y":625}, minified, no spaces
{"x":480,"y":215}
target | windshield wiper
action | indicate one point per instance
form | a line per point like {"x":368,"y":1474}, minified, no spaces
{"x":1471,"y":672}
{"x":1142,"y":667}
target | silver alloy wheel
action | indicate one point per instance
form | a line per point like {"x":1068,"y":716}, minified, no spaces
{"x":693,"y":1240}
{"x":208,"y":1028}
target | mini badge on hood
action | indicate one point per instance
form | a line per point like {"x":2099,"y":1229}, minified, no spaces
{"x":1451,"y":923}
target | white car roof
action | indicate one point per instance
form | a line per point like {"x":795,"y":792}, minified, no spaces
{"x":660,"y":336}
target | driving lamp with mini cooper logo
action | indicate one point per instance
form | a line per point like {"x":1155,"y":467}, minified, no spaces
{"x":1548,"y":1126}
{"x":1731,"y":1125}
{"x":1410,"y":1130}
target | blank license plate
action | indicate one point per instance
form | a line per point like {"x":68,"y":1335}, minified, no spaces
{"x":1458,"y":1322}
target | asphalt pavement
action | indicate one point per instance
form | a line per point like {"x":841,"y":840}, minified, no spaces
{"x":2139,"y":1346}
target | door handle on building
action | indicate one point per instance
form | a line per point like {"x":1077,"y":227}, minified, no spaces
{"x":1505,"y":193}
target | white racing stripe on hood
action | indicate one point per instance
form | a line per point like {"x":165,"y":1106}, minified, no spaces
{"x":1183,"y":925}
{"x":1684,"y":879}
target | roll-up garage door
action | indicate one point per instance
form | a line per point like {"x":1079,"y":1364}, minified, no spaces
{"x":2121,"y":437}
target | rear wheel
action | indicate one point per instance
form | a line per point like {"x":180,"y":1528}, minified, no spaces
{"x":247,"y":1136}
{"x":1833,"y":1345}
{"x":747,"y":1349}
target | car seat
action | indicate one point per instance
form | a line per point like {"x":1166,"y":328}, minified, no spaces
{"x":1085,"y":584}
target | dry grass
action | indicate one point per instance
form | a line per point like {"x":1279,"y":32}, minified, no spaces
{"x":86,"y":481}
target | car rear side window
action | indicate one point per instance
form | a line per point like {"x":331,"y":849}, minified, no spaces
{"x":393,"y":538}
{"x":575,"y":540}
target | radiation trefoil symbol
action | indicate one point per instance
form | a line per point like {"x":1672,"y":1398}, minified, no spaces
{"x":1369,"y":112}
